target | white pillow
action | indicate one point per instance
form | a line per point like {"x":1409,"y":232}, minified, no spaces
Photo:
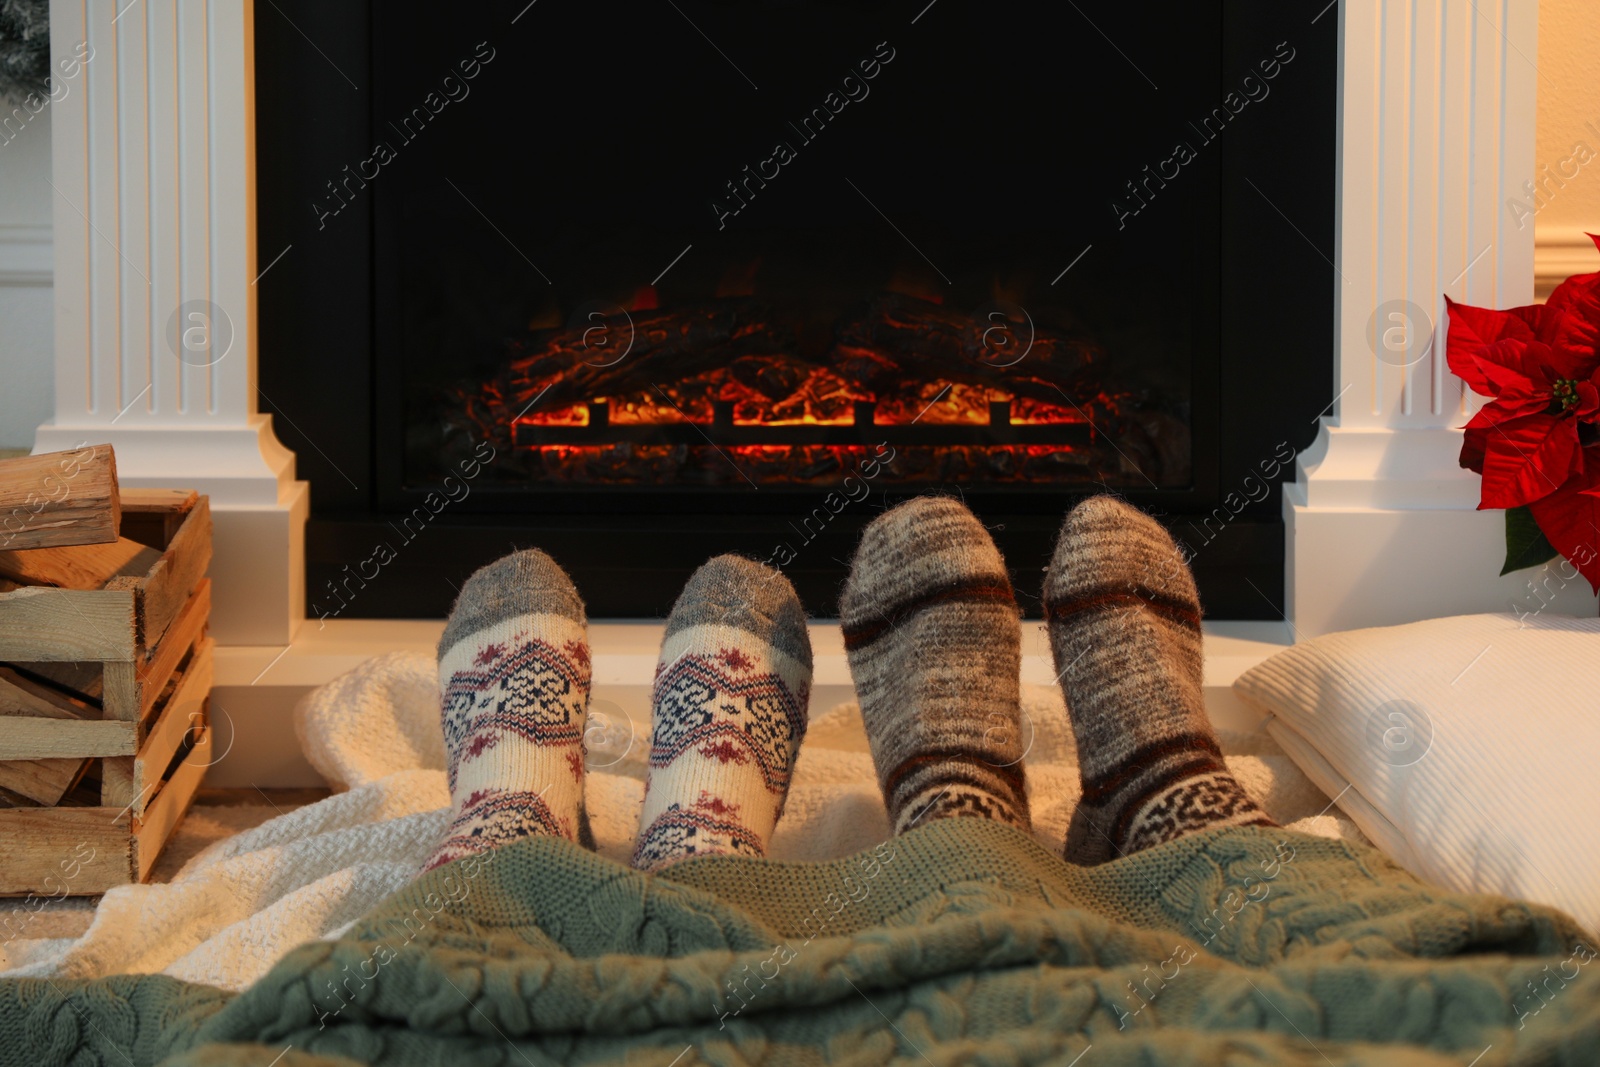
{"x":1467,"y":749}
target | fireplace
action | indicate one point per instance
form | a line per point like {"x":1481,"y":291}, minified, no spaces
{"x":723,"y":278}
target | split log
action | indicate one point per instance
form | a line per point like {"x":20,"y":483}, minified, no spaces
{"x":78,"y":566}
{"x":59,"y":498}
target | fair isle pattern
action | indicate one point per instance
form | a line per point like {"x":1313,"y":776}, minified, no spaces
{"x":1196,"y":803}
{"x":729,"y":713}
{"x":709,"y":827}
{"x":524,"y":688}
{"x":491,"y":818}
{"x":515,"y":695}
{"x":720,"y":706}
{"x":727,"y":728}
{"x":948,"y":794}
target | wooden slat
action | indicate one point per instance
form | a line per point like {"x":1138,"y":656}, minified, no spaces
{"x":79,"y":566}
{"x":131,"y":689}
{"x":152,"y":516}
{"x":131,"y":781}
{"x":121,"y":697}
{"x":26,"y":737}
{"x":161,"y":816}
{"x":43,"y":781}
{"x":58,"y":624}
{"x":170,"y":581}
{"x":59,"y":498}
{"x":65,"y":851}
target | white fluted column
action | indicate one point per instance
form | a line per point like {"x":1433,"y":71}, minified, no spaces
{"x":1436,"y":131}
{"x":155,"y":272}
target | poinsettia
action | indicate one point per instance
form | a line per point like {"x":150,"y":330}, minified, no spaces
{"x":1537,"y":441}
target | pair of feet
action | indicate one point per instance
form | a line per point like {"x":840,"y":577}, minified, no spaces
{"x":933,"y":636}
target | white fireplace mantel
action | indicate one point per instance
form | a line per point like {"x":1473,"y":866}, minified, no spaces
{"x":154,"y":222}
{"x":155,"y":271}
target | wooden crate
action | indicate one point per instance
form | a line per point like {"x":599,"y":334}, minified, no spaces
{"x":104,"y":705}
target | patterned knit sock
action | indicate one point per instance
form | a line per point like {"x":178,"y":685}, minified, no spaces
{"x":1124,"y":621}
{"x":935,"y":646}
{"x":729,"y":714}
{"x":514,"y":671}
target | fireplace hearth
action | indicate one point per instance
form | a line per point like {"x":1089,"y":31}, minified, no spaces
{"x":944,"y":285}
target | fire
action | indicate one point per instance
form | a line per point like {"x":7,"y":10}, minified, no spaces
{"x":718,"y":393}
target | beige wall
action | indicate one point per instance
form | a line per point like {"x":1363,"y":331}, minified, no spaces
{"x":1569,"y":114}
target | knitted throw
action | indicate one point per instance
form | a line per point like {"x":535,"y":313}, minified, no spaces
{"x":961,"y":941}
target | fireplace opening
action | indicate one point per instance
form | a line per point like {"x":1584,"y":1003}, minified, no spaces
{"x":644,"y":287}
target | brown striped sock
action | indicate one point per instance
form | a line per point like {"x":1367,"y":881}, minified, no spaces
{"x":935,"y":646}
{"x":1124,"y":620}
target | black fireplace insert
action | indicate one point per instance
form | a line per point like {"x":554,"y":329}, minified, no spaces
{"x":640,"y":284}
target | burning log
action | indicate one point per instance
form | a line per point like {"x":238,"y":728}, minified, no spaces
{"x":897,"y":339}
{"x":635,"y":353}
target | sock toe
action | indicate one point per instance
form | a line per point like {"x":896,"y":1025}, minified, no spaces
{"x":745,"y":595}
{"x":929,"y":545}
{"x":1107,"y":542}
{"x":526,"y":582}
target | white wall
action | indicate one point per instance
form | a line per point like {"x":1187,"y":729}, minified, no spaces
{"x":26,"y":313}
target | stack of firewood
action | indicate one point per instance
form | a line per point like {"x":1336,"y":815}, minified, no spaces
{"x":105,"y":671}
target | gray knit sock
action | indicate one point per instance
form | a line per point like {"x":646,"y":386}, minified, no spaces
{"x":935,"y":645}
{"x":514,"y":674}
{"x":1124,"y":620}
{"x":729,"y":715}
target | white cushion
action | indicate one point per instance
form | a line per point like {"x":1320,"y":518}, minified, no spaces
{"x":1467,"y":749}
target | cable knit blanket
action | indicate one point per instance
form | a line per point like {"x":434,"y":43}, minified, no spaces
{"x":963,"y":941}
{"x":239,"y":907}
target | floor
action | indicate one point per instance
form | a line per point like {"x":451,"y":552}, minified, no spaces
{"x":216,"y":814}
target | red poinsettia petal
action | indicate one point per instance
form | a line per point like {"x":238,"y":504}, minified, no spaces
{"x":1479,"y":336}
{"x":1570,"y":519}
{"x":1474,"y":443}
{"x":1588,"y":398}
{"x":1475,"y":434}
{"x":1571,"y":324}
{"x":1514,"y":379}
{"x":1526,"y":458}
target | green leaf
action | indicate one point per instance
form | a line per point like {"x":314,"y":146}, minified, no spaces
{"x":1526,"y":545}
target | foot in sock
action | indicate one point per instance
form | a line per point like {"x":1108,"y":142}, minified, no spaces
{"x":514,"y":673}
{"x":1124,"y":620}
{"x":934,"y":640}
{"x":729,"y":714}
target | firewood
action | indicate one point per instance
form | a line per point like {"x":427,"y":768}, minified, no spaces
{"x":59,"y":498}
{"x":41,"y":781}
{"x":78,"y":566}
{"x":21,"y":695}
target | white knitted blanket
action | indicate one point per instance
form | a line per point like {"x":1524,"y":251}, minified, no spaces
{"x":240,"y":905}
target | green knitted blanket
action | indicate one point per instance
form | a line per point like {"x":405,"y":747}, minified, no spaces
{"x":961,"y":942}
